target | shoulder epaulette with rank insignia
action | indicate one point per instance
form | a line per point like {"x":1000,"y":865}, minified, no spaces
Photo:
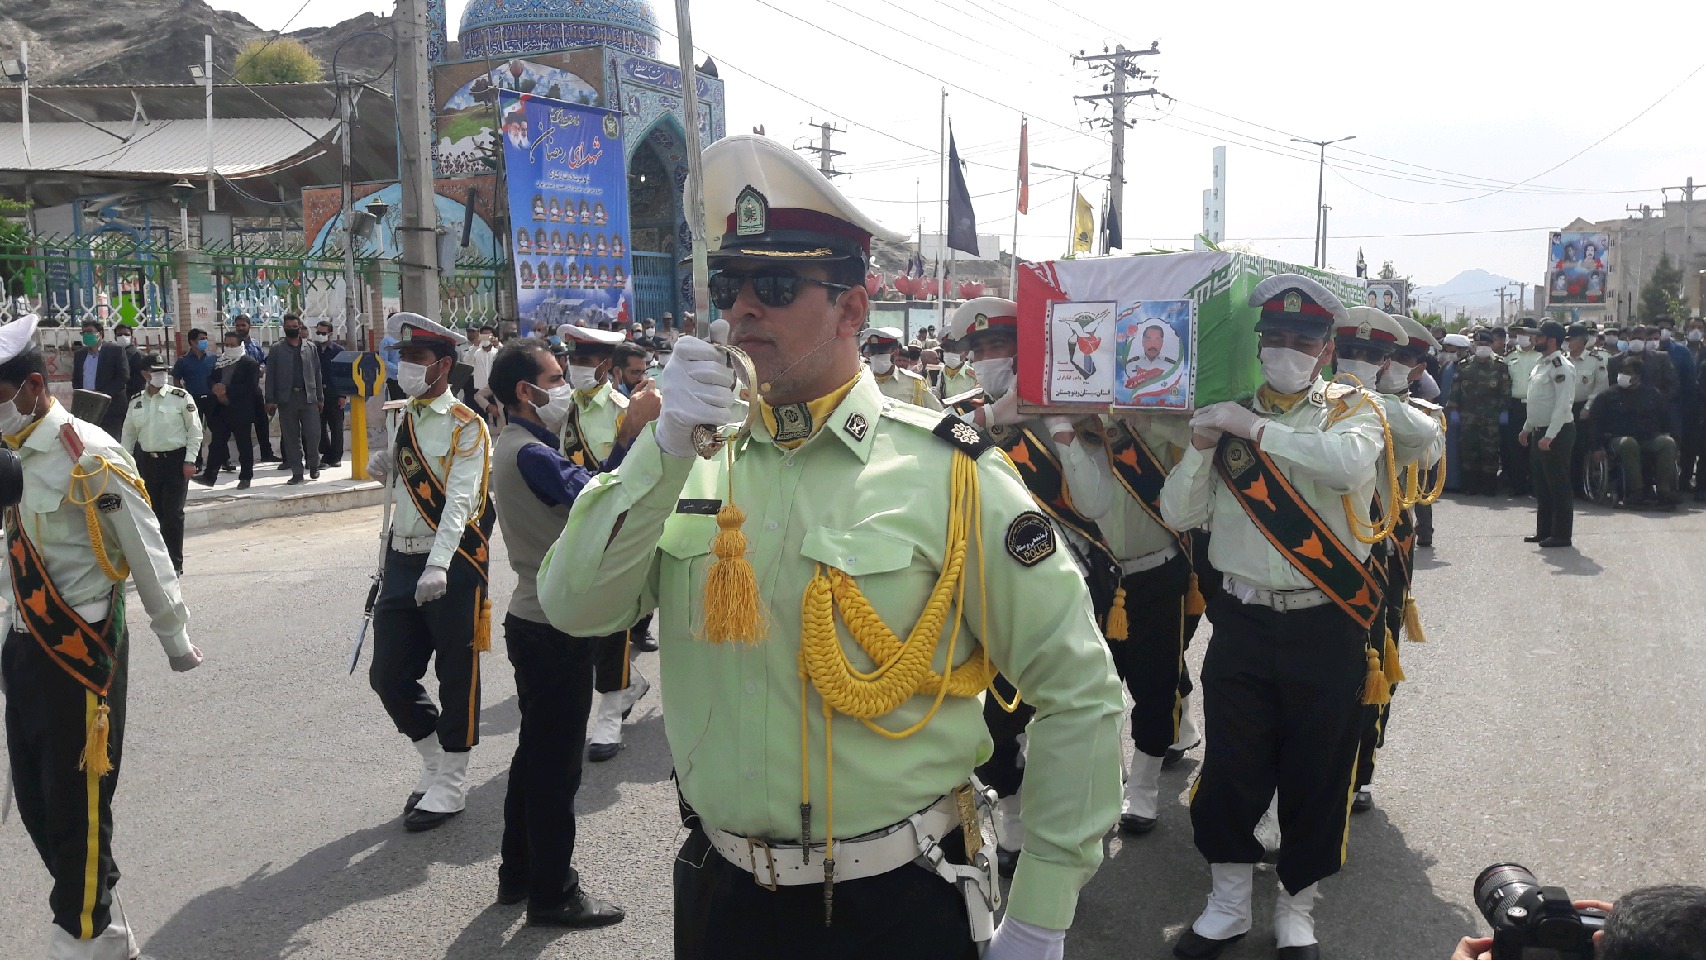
{"x":963,"y":436}
{"x":1427,"y":405}
{"x":1557,"y":361}
{"x":463,"y":414}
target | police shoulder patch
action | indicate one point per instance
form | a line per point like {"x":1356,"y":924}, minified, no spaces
{"x":963,"y":436}
{"x":1030,"y":538}
{"x":1557,"y":361}
{"x":109,"y":503}
{"x":1560,"y":378}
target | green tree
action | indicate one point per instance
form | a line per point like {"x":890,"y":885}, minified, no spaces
{"x":279,"y":60}
{"x":1662,"y":293}
{"x":17,"y":271}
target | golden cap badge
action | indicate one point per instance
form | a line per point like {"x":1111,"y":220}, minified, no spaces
{"x":752,"y":213}
{"x":1293,"y":302}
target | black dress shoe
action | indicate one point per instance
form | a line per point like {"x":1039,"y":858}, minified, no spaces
{"x":1194,"y":946}
{"x":1534,"y":539}
{"x":283,"y":466}
{"x":1309,"y":951}
{"x":242,"y":484}
{"x":313,"y":474}
{"x":1006,"y":861}
{"x":1554,"y":542}
{"x":1131,"y":823}
{"x":414,"y":798}
{"x":510,"y":894}
{"x":646,"y":644}
{"x":1363,"y":802}
{"x":1175,"y":754}
{"x":295,"y":481}
{"x":324,"y":463}
{"x":581,"y":912}
{"x":1428,"y":542}
{"x":420,"y":821}
{"x":203,"y":479}
{"x":600,"y":752}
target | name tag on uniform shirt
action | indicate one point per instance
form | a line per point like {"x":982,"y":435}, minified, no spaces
{"x":705,"y":508}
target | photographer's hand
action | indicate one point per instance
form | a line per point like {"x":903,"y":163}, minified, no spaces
{"x":1474,"y":948}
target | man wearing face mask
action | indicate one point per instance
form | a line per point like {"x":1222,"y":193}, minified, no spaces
{"x":553,"y":671}
{"x":628,"y":368}
{"x":103,"y":368}
{"x":1548,"y":432}
{"x":331,"y":446}
{"x":880,"y":347}
{"x":434,"y":602}
{"x":1284,"y":483}
{"x":295,"y":391}
{"x":957,"y":378}
{"x":596,"y":423}
{"x":194,"y":372}
{"x":1590,"y":380}
{"x":1661,"y":377}
{"x":236,"y":382}
{"x":1521,"y":360}
{"x":82,"y":528}
{"x":263,"y":423}
{"x":1455,"y":349}
{"x":160,"y":430}
{"x":1478,"y":395}
{"x":1628,"y":422}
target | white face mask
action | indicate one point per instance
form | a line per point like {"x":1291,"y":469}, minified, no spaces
{"x":1695,"y":336}
{"x":412,"y":378}
{"x":1287,"y":370}
{"x":1365,"y":373}
{"x":1664,"y":334}
{"x":1624,"y":380}
{"x":996,"y":376}
{"x":322,"y":337}
{"x":556,"y":409}
{"x":1396,"y":378}
{"x":882,"y":364}
{"x":1484,"y":351}
{"x":583,"y":378}
{"x":153,"y":380}
{"x":13,"y":420}
{"x":1637,"y":346}
{"x":1622,"y":346}
{"x":1523,"y":343}
{"x":122,"y":341}
{"x":952,"y":360}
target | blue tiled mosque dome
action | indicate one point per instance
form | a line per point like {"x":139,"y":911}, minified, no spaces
{"x":504,"y":28}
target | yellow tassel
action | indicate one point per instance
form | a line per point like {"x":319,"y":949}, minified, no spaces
{"x":1375,"y":691}
{"x":483,"y":625}
{"x":1194,"y":602}
{"x":731,"y":586}
{"x":1393,"y":669}
{"x":95,"y":759}
{"x":1413,"y":622}
{"x":1118,"y":628}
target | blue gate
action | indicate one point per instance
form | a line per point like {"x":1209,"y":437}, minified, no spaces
{"x":654,"y":285}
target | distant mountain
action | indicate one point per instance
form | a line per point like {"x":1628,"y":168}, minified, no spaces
{"x":1476,"y":292}
{"x":155,"y":41}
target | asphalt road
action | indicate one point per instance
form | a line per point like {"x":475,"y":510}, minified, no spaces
{"x":1554,"y":719}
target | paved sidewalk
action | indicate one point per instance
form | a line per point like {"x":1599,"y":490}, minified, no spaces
{"x":223,"y":505}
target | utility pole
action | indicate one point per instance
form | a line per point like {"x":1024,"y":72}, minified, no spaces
{"x":1502,"y":296}
{"x":1121,"y":64}
{"x":1522,"y":298}
{"x":352,"y":309}
{"x":826,"y":156}
{"x":418,"y":260}
{"x":1321,"y":197}
{"x":207,"y":72}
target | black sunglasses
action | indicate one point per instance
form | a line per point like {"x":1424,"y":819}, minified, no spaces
{"x":773,"y":288}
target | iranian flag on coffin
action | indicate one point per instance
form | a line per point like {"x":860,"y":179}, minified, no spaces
{"x":1199,"y":300}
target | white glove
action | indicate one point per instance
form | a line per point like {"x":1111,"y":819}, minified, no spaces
{"x":188,"y":661}
{"x":1226,"y":417}
{"x":379,"y":465}
{"x":434,"y":582}
{"x":1003,"y":412}
{"x":698,"y":387}
{"x":1018,"y":940}
{"x":1059,"y":425}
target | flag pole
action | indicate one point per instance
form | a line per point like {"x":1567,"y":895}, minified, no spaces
{"x":942,"y":216}
{"x":1013,"y":283}
{"x":1072,"y":220}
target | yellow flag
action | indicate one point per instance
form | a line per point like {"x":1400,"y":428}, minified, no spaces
{"x":1083,"y":225}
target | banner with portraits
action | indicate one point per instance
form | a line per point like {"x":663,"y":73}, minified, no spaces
{"x":1576,"y":268}
{"x":1388,"y":296}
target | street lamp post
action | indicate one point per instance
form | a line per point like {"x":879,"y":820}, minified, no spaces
{"x":1320,"y":259}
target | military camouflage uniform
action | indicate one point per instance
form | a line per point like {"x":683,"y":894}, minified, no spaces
{"x":1479,"y":393}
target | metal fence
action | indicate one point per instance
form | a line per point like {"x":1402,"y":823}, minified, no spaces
{"x":108,"y":277}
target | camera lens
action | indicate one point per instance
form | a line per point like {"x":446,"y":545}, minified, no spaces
{"x":1499,"y":886}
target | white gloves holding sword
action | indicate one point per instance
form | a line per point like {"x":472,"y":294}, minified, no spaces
{"x":698,"y":388}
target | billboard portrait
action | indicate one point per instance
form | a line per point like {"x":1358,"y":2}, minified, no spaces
{"x":1154,"y":353}
{"x":568,"y":206}
{"x":1389,"y":296}
{"x":1576,"y":268}
{"x":466,"y":97}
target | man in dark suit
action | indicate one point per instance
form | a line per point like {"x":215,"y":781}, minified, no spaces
{"x":103,"y":368}
{"x":332,"y":403}
{"x":236,"y":388}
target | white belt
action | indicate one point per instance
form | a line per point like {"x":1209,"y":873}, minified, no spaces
{"x":775,"y":865}
{"x":414,"y":545}
{"x":1280,"y":600}
{"x":1148,"y":561}
{"x":92,"y":613}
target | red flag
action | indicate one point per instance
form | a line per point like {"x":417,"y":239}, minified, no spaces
{"x":1024,"y":167}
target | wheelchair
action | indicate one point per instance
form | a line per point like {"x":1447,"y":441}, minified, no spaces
{"x":1603,"y":483}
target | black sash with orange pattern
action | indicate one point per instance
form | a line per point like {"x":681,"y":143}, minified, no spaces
{"x":87,"y":653}
{"x":1046,"y":481}
{"x":1296,"y":530}
{"x":426,"y":492}
{"x":1404,"y":557}
{"x":1140,"y":472}
{"x":575,"y":445}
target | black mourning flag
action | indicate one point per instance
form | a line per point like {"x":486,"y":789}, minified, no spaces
{"x":962,"y":222}
{"x":1111,"y":227}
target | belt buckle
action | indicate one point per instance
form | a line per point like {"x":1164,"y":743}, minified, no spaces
{"x":752,"y":846}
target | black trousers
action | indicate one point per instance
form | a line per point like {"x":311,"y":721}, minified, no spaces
{"x":224,"y":432}
{"x":721,"y":913}
{"x":1282,"y":705}
{"x":1151,"y":659}
{"x":263,"y":428}
{"x":406,"y":637}
{"x":610,"y":656}
{"x":1377,"y":718}
{"x":1002,"y":772}
{"x":204,"y":407}
{"x":163,"y":476}
{"x":47,"y":714}
{"x":1513,"y":459}
{"x":553,"y":683}
{"x":1555,"y":500}
{"x":1578,"y":451}
{"x":332,"y":429}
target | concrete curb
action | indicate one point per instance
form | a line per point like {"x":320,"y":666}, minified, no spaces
{"x":230,"y":511}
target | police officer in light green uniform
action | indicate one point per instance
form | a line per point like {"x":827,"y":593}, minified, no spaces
{"x":1520,"y":361}
{"x":880,"y":347}
{"x":163,"y":431}
{"x":813,"y":493}
{"x":1548,"y":433}
{"x":957,"y":377}
{"x":1592,"y":378}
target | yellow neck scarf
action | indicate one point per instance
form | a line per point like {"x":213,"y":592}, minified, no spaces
{"x":1280,"y":402}
{"x":794,"y":423}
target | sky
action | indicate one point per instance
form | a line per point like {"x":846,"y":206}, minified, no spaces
{"x":1478,"y":126}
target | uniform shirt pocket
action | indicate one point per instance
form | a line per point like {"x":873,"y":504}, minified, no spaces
{"x":857,"y":552}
